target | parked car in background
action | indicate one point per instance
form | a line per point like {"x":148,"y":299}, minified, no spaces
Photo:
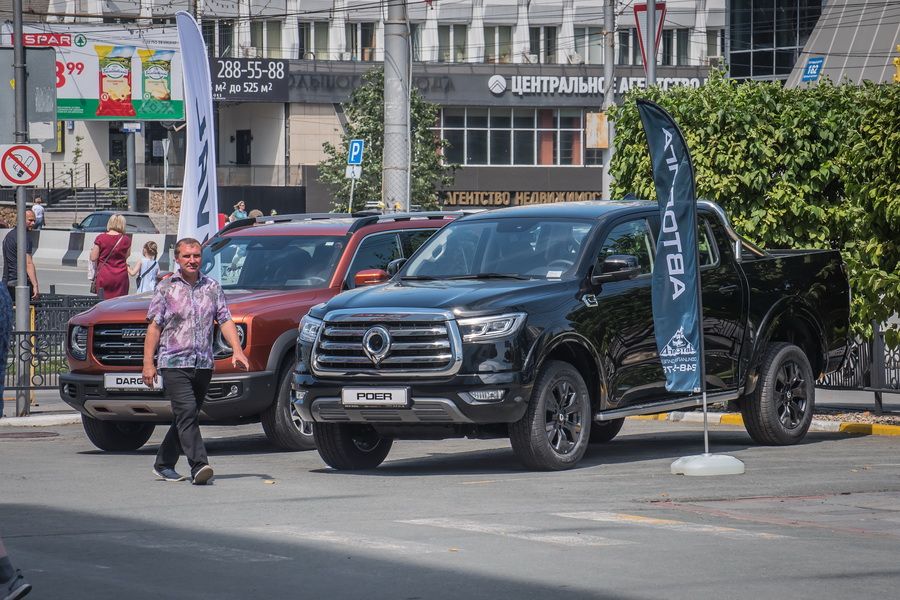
{"x":135,"y":222}
{"x":272,"y":270}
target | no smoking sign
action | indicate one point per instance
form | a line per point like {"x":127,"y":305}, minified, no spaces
{"x":20,"y":164}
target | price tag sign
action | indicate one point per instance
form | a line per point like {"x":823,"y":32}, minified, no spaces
{"x":249,"y":79}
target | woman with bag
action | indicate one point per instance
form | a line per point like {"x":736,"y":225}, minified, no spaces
{"x":146,"y":269}
{"x":110,"y":251}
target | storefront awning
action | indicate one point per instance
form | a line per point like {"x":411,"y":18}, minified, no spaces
{"x":545,"y":12}
{"x":589,"y":13}
{"x":500,"y":12}
{"x":454,"y":11}
{"x":315,"y":10}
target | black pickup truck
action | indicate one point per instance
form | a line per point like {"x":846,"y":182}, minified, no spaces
{"x":535,"y":323}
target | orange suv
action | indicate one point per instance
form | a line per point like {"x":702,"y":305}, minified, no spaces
{"x":273,"y":269}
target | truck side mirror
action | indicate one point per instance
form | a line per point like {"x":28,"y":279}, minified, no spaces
{"x":370,"y":277}
{"x":77,"y":226}
{"x":615,"y":267}
{"x":394,"y":266}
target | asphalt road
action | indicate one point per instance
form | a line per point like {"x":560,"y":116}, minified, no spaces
{"x":456,"y":519}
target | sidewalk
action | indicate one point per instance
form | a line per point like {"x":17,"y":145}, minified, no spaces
{"x":50,"y":411}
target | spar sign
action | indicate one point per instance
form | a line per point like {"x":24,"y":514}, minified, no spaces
{"x":20,"y":164}
{"x":109,"y":72}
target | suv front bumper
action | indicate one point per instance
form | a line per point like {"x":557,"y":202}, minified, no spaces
{"x":447,"y":401}
{"x":231,"y":396}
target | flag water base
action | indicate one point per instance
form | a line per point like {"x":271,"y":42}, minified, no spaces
{"x":707,"y":464}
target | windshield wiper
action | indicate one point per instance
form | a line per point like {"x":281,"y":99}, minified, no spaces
{"x":489,"y":276}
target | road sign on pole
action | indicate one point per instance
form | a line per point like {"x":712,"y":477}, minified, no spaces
{"x":640,"y":20}
{"x":355,"y":152}
{"x":20,"y":164}
{"x":353,"y":172}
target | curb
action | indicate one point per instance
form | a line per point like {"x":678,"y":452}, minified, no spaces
{"x":41,"y":420}
{"x":737,"y":419}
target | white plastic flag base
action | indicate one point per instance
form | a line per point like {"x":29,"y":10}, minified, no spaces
{"x":707,"y":464}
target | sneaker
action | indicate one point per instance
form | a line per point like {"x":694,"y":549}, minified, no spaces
{"x":167,"y":474}
{"x":18,"y":587}
{"x":203,"y":475}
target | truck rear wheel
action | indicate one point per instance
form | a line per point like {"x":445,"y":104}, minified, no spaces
{"x":605,"y":431}
{"x":780,"y":410}
{"x":283,"y":425}
{"x":349,"y":447}
{"x":116,"y":436}
{"x":554,"y":432}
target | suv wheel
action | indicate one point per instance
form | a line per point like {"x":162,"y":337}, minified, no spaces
{"x":283,"y":425}
{"x":605,"y":431}
{"x":116,"y":436}
{"x":347,"y":447}
{"x":553,"y":434}
{"x":780,"y":410}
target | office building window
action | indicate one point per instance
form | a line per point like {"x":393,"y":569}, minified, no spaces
{"x":265,"y":38}
{"x":589,"y":44}
{"x":715,"y":42}
{"x":498,"y":44}
{"x":668,"y":47}
{"x":767,"y":36}
{"x":360,"y":41}
{"x":623,"y":56}
{"x":452,"y":43}
{"x":683,"y":46}
{"x":313,"y":40}
{"x":226,"y":46}
{"x":542,"y":44}
{"x":504,"y":136}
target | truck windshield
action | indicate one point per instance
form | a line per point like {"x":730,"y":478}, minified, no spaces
{"x":272,"y":262}
{"x":523,"y":247}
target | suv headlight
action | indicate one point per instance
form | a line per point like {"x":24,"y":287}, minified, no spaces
{"x":78,"y":341}
{"x":221,"y":349}
{"x":488,"y":328}
{"x":309,"y":329}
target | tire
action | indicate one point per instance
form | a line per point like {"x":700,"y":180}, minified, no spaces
{"x":554,"y":432}
{"x":605,"y":431}
{"x":780,"y":410}
{"x":116,"y":436}
{"x":351,"y":447}
{"x":281,"y":422}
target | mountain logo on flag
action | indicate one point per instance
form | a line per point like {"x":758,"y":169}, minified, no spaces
{"x":678,"y":345}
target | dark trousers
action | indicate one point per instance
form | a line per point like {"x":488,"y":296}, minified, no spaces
{"x":185,"y":389}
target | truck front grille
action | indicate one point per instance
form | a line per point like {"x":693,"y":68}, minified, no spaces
{"x":417,"y":344}
{"x":120,"y":345}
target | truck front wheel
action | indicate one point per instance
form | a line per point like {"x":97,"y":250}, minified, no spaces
{"x":605,"y":431}
{"x":349,"y":447}
{"x":780,"y":410}
{"x":284,"y":427}
{"x":554,"y":432}
{"x":116,"y":436}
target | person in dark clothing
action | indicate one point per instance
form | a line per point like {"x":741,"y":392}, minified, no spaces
{"x":10,"y":258}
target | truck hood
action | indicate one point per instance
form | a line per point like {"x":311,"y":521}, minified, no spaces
{"x":466,"y":297}
{"x":240,"y":302}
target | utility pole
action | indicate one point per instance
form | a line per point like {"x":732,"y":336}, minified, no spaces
{"x":609,"y":93}
{"x":22,"y":299}
{"x":131,"y":168}
{"x":395,"y":169}
{"x":650,"y":43}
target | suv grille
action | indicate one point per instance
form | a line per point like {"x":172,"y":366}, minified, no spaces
{"x":424,"y":344}
{"x":120,"y":345}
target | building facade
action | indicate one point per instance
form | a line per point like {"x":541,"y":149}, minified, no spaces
{"x":518,"y":83}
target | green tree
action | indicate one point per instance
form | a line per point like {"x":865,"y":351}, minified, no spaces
{"x":794,"y":168}
{"x":365,"y":120}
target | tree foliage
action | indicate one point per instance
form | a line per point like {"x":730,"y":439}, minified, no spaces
{"x":794,"y":168}
{"x":365,"y":116}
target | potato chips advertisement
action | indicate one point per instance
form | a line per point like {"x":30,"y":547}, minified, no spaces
{"x":112,"y":72}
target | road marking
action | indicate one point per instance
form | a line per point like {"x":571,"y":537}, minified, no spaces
{"x":669,"y":524}
{"x":194,"y":549}
{"x":517,"y":532}
{"x":353,"y":540}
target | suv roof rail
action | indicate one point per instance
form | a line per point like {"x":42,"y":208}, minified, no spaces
{"x":282,"y":219}
{"x":405,"y":216}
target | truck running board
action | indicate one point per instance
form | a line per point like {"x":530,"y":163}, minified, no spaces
{"x":651,"y":408}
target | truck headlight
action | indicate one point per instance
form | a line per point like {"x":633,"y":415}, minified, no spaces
{"x":78,"y":341}
{"x":309,"y":329}
{"x":488,"y":328}
{"x":221,"y":349}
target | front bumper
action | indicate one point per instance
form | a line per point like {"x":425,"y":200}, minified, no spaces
{"x":231,"y":397}
{"x":447,"y":401}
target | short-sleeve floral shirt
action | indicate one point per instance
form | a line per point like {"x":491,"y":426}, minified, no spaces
{"x":186,"y":314}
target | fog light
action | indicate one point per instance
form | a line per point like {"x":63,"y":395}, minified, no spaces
{"x":233,"y":391}
{"x":488,"y":395}
{"x":300,"y":395}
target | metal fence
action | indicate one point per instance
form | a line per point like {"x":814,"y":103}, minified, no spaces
{"x":870,"y":367}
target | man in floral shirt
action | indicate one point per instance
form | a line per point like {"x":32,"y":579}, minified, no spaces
{"x":181,"y":315}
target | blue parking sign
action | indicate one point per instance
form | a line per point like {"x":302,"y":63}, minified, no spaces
{"x":813,"y":68}
{"x":355,"y":152}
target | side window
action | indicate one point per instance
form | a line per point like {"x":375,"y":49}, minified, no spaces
{"x":630,"y":237}
{"x":375,"y":252}
{"x":707,"y":243}
{"x":411,"y":240}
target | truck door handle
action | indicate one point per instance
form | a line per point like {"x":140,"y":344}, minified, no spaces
{"x":728,"y":289}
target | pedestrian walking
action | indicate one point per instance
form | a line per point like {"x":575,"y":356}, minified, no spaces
{"x":37,"y":207}
{"x":10,"y":259}
{"x":181,"y":316}
{"x":240,"y":212}
{"x":145,"y":270}
{"x":255,"y":213}
{"x":110,"y":252}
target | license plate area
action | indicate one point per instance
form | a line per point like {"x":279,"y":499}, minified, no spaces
{"x":129,"y":382}
{"x":393,"y":397}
